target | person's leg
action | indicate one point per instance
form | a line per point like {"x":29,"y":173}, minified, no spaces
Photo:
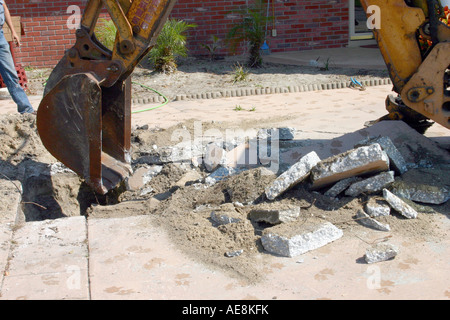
{"x":11,"y":80}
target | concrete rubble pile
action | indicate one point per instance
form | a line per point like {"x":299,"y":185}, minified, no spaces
{"x":373,"y":168}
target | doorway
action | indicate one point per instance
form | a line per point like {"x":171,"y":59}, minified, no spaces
{"x":358,"y":19}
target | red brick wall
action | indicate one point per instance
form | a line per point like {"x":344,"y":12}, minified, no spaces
{"x":300,"y":25}
{"x":46,"y":33}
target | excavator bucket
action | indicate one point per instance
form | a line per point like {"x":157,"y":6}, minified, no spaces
{"x":88,"y":129}
{"x":84,"y":118}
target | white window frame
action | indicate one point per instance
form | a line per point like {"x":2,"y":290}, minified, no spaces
{"x":353,"y":35}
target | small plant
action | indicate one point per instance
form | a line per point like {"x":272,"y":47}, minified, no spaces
{"x":212,"y":48}
{"x":171,"y":44}
{"x":326,"y":65}
{"x":239,"y":73}
{"x":239,"y":108}
{"x":105,"y":31}
{"x":251,"y":28}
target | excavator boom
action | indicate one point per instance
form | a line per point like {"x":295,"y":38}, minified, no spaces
{"x":420,"y":74}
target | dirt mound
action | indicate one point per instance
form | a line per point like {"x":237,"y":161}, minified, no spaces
{"x":20,"y":140}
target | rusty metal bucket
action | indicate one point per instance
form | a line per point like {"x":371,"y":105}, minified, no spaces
{"x":88,"y":128}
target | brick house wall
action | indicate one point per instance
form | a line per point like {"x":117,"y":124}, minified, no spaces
{"x":300,"y":25}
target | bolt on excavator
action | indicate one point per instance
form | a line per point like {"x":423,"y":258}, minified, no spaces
{"x":84,"y":118}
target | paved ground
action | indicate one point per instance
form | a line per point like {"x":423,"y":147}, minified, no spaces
{"x":129,"y":258}
{"x":365,"y":58}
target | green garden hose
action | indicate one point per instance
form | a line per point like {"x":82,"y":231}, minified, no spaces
{"x":152,"y":108}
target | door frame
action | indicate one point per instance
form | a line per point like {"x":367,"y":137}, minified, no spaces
{"x":353,"y":36}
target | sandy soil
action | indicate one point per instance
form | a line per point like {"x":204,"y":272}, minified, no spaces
{"x":196,"y":75}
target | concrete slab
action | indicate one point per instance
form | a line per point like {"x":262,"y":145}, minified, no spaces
{"x":48,"y":260}
{"x":10,"y":199}
{"x":416,"y":149}
{"x":351,"y":57}
{"x":130,"y":258}
{"x":5,"y":247}
{"x":316,"y":115}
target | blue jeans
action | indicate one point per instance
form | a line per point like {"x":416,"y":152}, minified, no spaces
{"x":11,"y":80}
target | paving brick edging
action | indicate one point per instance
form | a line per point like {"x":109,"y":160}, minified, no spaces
{"x":245,"y":92}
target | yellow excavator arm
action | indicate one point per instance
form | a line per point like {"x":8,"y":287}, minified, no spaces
{"x":84,"y":119}
{"x":420,"y":74}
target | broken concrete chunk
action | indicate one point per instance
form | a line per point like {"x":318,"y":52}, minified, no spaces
{"x":364,"y":219}
{"x":214,"y":155}
{"x":220,"y":174}
{"x":426,"y":185}
{"x":59,"y":167}
{"x":243,"y":155}
{"x":371,"y":185}
{"x":277,"y":133}
{"x":222,"y":218}
{"x":377,"y":208}
{"x":231,"y":254}
{"x":424,"y":194}
{"x":397,"y":161}
{"x":300,"y":240}
{"x":275,"y":215}
{"x":399,"y":205}
{"x":356,"y":162}
{"x":136,"y":180}
{"x":141,"y":177}
{"x":225,"y":214}
{"x":294,"y":175}
{"x":183,"y":152}
{"x":340,"y":186}
{"x":190,"y":177}
{"x":380,"y":252}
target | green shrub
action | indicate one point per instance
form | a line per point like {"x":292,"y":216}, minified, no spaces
{"x":239,"y":73}
{"x":105,"y":31}
{"x":213,"y":47}
{"x":171,"y":43}
{"x":251,"y":28}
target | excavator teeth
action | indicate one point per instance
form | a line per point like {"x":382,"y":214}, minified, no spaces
{"x":74,"y":119}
